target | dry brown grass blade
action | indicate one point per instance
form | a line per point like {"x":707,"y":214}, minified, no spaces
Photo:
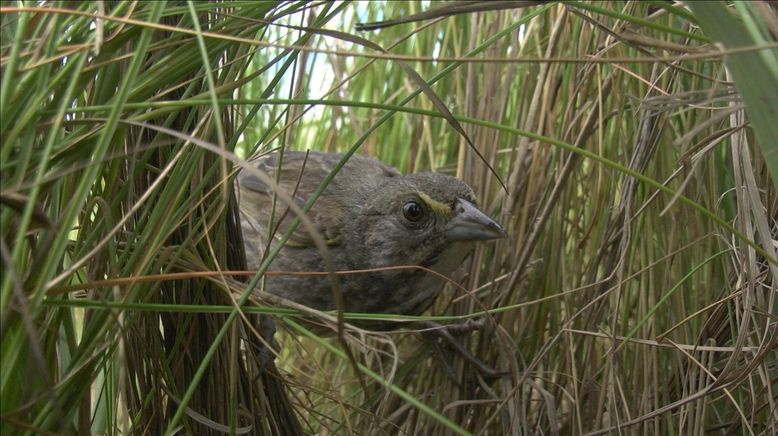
{"x":419,"y":81}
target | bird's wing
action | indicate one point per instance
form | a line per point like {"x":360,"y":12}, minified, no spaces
{"x":301,"y":177}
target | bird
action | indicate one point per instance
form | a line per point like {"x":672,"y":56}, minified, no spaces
{"x":371,"y":217}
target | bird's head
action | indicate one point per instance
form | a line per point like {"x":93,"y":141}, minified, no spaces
{"x":425,"y":219}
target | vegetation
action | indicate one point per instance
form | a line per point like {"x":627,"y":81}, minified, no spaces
{"x":635,"y":174}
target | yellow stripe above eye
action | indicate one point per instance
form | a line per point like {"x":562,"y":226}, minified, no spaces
{"x":437,"y":207}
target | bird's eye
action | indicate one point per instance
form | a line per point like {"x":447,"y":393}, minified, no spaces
{"x":413,"y":211}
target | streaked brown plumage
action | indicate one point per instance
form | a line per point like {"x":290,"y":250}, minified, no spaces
{"x":371,"y":216}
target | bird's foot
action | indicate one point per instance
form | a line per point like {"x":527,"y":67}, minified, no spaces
{"x":433,"y":330}
{"x":266,"y":349}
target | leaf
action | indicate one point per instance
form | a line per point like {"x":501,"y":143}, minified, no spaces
{"x":754,"y":72}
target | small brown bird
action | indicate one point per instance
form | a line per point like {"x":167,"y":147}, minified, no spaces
{"x":371,"y":216}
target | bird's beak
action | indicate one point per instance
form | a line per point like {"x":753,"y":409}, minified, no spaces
{"x":470,"y":224}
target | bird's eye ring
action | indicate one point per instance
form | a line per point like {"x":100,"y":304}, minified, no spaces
{"x":413,"y":211}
